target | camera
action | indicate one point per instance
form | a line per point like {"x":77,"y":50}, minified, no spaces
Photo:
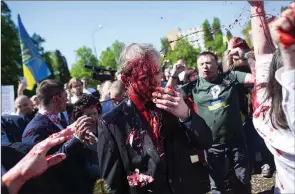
{"x":98,"y":73}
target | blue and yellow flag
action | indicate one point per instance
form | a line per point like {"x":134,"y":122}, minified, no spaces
{"x":34,"y":67}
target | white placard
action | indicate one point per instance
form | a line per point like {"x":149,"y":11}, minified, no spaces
{"x":7,"y":105}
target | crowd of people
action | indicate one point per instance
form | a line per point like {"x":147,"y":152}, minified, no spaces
{"x":163,"y":129}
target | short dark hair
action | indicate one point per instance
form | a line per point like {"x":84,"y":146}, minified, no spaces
{"x":47,"y":89}
{"x":205,"y":53}
{"x":86,"y":101}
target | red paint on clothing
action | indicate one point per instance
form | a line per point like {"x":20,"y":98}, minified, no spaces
{"x":278,"y":152}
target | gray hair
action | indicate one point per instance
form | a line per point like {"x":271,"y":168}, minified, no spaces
{"x":135,"y":50}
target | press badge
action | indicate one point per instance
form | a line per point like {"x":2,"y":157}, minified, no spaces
{"x":194,"y":158}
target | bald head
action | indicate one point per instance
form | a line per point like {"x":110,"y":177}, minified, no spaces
{"x":23,"y":105}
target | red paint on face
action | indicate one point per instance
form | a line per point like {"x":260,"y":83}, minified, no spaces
{"x":143,"y":76}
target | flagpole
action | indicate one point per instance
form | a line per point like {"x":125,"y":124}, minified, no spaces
{"x":93,"y":40}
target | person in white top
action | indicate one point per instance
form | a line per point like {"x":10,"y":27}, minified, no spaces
{"x":274,"y":92}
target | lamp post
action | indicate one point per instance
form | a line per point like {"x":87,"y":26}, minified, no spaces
{"x":93,"y":41}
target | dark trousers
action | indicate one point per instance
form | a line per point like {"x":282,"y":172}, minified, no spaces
{"x":229,"y":169}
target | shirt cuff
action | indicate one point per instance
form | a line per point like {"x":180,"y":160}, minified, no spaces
{"x":188,"y":119}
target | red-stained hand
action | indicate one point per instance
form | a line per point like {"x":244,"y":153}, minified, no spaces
{"x":35,"y":162}
{"x":282,"y":29}
{"x":171,"y":101}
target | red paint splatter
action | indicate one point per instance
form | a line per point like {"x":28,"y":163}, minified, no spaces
{"x":192,"y":105}
{"x":48,"y":157}
{"x":282,"y":186}
{"x":260,"y":132}
{"x":278,"y":152}
{"x":29,"y":132}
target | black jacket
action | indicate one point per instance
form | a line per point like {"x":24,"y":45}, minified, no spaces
{"x":13,"y":126}
{"x":178,"y":174}
{"x":72,"y":172}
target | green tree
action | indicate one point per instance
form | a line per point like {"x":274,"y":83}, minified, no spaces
{"x":229,"y":35}
{"x":283,"y":8}
{"x":59,"y":66}
{"x":47,"y":58}
{"x":165,"y":49}
{"x":109,"y":58}
{"x":246,"y":33}
{"x":184,"y":49}
{"x":117,"y":48}
{"x":38,"y":41}
{"x":11,"y":61}
{"x":218,"y":45}
{"x":208,"y":37}
{"x":84,"y":56}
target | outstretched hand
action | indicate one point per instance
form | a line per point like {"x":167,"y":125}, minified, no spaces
{"x":171,"y":101}
{"x":35,"y":162}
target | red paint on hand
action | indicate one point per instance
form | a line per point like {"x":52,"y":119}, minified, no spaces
{"x":286,"y":39}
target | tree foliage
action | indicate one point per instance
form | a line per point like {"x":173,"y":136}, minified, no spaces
{"x":165,"y":46}
{"x":109,"y":58}
{"x":38,"y":41}
{"x":182,"y":49}
{"x":283,"y":8}
{"x":117,"y":48}
{"x":213,"y":37}
{"x":246,"y":33}
{"x":84,"y":56}
{"x":208,"y":37}
{"x":59,"y":66}
{"x":218,"y":44}
{"x":11,"y":61}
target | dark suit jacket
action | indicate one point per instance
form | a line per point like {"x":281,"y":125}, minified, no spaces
{"x":12,"y":153}
{"x":72,"y":173}
{"x":13,"y":126}
{"x":178,"y":174}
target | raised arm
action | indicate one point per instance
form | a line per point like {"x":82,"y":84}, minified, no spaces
{"x":263,"y":50}
{"x":260,"y":33}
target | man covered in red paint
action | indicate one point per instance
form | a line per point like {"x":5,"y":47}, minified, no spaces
{"x":144,"y":145}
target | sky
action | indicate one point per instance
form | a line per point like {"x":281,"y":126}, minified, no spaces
{"x":69,"y":25}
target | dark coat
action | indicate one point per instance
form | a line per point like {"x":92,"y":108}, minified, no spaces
{"x":72,"y":172}
{"x":178,"y":174}
{"x":13,"y":126}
